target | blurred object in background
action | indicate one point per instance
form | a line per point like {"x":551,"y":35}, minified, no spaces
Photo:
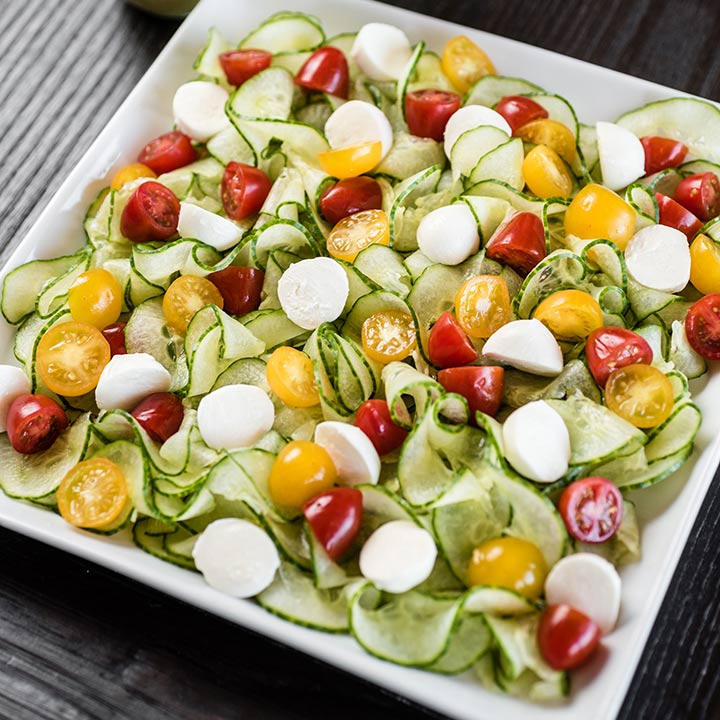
{"x":167,"y":8}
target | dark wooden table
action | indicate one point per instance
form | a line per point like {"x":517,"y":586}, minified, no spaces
{"x":80,"y":642}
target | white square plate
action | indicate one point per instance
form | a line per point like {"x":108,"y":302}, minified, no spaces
{"x":667,"y":511}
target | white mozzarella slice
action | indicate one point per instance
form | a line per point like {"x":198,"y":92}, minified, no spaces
{"x":13,"y":383}
{"x":313,"y":291}
{"x":235,"y":416}
{"x":356,"y":122}
{"x":449,"y":235}
{"x":128,"y":379}
{"x":199,"y":109}
{"x":207,"y":227}
{"x":526,"y":345}
{"x":398,"y":556}
{"x":622,"y":158}
{"x":381,"y":51}
{"x":469,"y":117}
{"x":590,"y":584}
{"x":658,"y":256}
{"x":236,"y":557}
{"x":537,"y":442}
{"x":354,"y":456}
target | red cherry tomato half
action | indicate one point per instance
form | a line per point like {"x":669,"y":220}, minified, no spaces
{"x":334,"y":518}
{"x":241,"y":65}
{"x":592,"y":509}
{"x":448,"y":344}
{"x":244,"y":189}
{"x":609,"y":348}
{"x":518,"y":243}
{"x":326,"y":70}
{"x":702,"y":326}
{"x":481,"y":385}
{"x":34,"y":422}
{"x":350,"y":196}
{"x":674,"y":215}
{"x":160,"y":415}
{"x":168,"y":152}
{"x":662,"y":153}
{"x":373,"y":418}
{"x":700,"y":194}
{"x":241,"y":288}
{"x":519,"y":110}
{"x":151,"y":213}
{"x":427,"y":112}
{"x":115,"y":335}
{"x":566,"y":637}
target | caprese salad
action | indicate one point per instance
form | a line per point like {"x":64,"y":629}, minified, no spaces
{"x":382,"y":339}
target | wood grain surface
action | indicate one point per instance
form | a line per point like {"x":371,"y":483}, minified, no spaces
{"x":79,"y":642}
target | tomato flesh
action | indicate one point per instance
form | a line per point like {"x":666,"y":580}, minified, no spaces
{"x":240,"y":287}
{"x":427,"y":112}
{"x":592,"y":509}
{"x":448,"y":344}
{"x":662,"y":153}
{"x":350,"y":196}
{"x":640,"y":394}
{"x":151,"y":214}
{"x":160,"y":415}
{"x":570,"y":315}
{"x":702,"y":326}
{"x":335,"y":517}
{"x":326,"y":70}
{"x":481,"y":385}
{"x":115,"y":336}
{"x":244,"y":189}
{"x":700,"y":194}
{"x":34,"y":422}
{"x":674,"y":215}
{"x":609,"y":348}
{"x":185,"y":296}
{"x":518,"y":243}
{"x":373,"y":418}
{"x":566,"y":637}
{"x":389,"y":335}
{"x":519,"y":110}
{"x":241,"y":65}
{"x":168,"y":152}
{"x":482,"y":305}
{"x":356,"y":232}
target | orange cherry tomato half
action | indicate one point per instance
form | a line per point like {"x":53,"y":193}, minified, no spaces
{"x":566,"y":637}
{"x":160,"y":415}
{"x":674,"y":215}
{"x":93,"y":494}
{"x":592,"y":509}
{"x":609,"y":348}
{"x":662,"y":153}
{"x":427,"y":112}
{"x":373,"y":418}
{"x":241,"y":65}
{"x":700,"y":194}
{"x":244,"y":189}
{"x":291,"y":377}
{"x":705,"y":264}
{"x":151,"y":213}
{"x":34,"y":422}
{"x":448,"y":343}
{"x":518,"y":243}
{"x":131,"y":172}
{"x":185,"y":296}
{"x":545,"y":173}
{"x":570,"y":315}
{"x":481,"y":385}
{"x":335,"y":517}
{"x":519,"y":110}
{"x":350,"y":196}
{"x":702,"y":326}
{"x":356,"y":232}
{"x":389,"y":335}
{"x":352,"y":160}
{"x":326,"y":70}
{"x":552,"y":133}
{"x":71,"y":357}
{"x":95,"y":298}
{"x":465,"y":63}
{"x":240,"y":287}
{"x":640,"y":394}
{"x":168,"y":152}
{"x":482,"y":305}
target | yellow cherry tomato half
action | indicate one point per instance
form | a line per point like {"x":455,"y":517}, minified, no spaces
{"x":597,"y":212}
{"x":95,"y":298}
{"x":129,"y":173}
{"x":356,"y":232}
{"x":545,"y":173}
{"x":389,"y":335}
{"x":705,"y":265}
{"x":93,"y":494}
{"x":465,"y":63}
{"x":351,"y":161}
{"x":551,"y":133}
{"x":640,"y":394}
{"x":290,"y":376}
{"x":482,"y":305}
{"x":302,"y":470}
{"x":510,"y":563}
{"x":71,"y":357}
{"x":570,"y":315}
{"x":185,"y":296}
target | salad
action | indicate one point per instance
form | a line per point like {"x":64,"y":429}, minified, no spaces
{"x":382,"y":339}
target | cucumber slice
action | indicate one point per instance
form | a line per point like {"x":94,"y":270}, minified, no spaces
{"x":385,"y":268}
{"x":471,"y":146}
{"x":150,"y":535}
{"x":207,"y":63}
{"x":469,"y":639}
{"x":410,"y":155}
{"x":492,"y":88}
{"x":681,"y":354}
{"x":274,"y":328}
{"x":502,"y":163}
{"x":368,"y":305}
{"x":229,"y":145}
{"x":286,"y":32}
{"x":405,"y":78}
{"x":559,"y":109}
{"x":497,"y":601}
{"x":409,"y":392}
{"x":489,"y":213}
